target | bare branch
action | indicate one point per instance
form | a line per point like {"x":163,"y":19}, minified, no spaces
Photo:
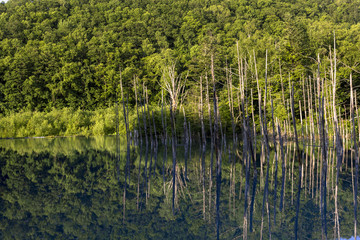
{"x":173,"y":84}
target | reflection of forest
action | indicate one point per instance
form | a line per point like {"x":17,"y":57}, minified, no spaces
{"x":70,"y":191}
{"x":61,"y":145}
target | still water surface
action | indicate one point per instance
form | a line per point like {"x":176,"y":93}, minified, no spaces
{"x":101,"y":188}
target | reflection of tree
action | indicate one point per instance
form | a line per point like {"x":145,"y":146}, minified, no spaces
{"x":78,"y":195}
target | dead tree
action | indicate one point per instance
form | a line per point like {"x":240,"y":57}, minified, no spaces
{"x":174,"y":84}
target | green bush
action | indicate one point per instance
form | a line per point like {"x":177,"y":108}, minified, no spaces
{"x":59,"y":122}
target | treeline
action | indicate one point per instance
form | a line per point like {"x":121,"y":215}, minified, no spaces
{"x":66,"y":53}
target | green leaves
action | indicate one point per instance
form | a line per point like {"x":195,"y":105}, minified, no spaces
{"x":69,"y":53}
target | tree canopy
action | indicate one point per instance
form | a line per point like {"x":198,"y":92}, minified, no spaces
{"x":66,"y":53}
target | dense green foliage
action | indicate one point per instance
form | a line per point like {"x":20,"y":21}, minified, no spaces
{"x":63,"y":122}
{"x":65,"y":53}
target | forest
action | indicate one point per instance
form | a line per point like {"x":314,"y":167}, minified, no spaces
{"x":66,"y":65}
{"x":249,"y":105}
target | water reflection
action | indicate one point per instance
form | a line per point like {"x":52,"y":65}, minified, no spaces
{"x":104,"y":188}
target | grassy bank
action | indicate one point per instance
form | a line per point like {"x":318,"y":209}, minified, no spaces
{"x":59,"y":122}
{"x":100,"y":122}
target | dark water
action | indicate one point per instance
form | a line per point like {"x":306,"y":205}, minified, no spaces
{"x":94,"y":188}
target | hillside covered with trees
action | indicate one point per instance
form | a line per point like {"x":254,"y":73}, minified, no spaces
{"x":67,"y":54}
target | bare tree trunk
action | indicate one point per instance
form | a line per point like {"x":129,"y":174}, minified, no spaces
{"x":202,"y":115}
{"x":265,"y":198}
{"x":283,"y":169}
{"x":137,"y":108}
{"x":148,"y":117}
{"x":138,"y":183}
{"x":356,"y":156}
{"x":260,"y":115}
{"x":203,"y":147}
{"x":173,"y":147}
{"x":254,"y":171}
{"x":324,"y":168}
{"x":211,"y":128}
{"x":231,"y":108}
{"x":217,"y":153}
{"x":125,"y":120}
{"x":156,"y":138}
{"x":276,"y":159}
{"x":299,"y":160}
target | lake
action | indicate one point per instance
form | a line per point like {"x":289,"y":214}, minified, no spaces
{"x":104,"y":188}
